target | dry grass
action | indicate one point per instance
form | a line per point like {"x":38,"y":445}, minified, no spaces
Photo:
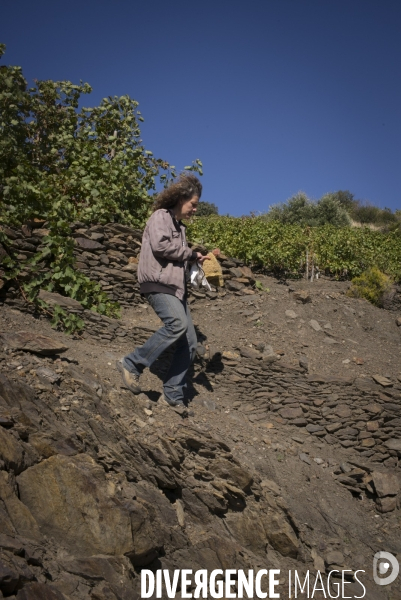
{"x":371,"y":226}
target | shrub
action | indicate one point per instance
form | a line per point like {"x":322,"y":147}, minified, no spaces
{"x":341,"y":251}
{"x":300,"y":210}
{"x":368,"y":213}
{"x":63,"y":163}
{"x":346,"y":199}
{"x":372,"y":284}
{"x":329,"y":211}
{"x":206,"y":208}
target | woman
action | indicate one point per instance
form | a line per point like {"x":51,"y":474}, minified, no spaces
{"x":161,"y":275}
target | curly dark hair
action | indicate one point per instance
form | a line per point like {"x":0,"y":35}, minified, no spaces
{"x":184,"y":188}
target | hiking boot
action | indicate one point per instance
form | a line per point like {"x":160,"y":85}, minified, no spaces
{"x":131,"y":381}
{"x":178,"y":405}
{"x":164,"y":398}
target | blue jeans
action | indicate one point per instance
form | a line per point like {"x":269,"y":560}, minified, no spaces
{"x":178,"y":327}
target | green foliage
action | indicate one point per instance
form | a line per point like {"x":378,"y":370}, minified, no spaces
{"x":341,"y":251}
{"x":366,"y":213}
{"x":369,"y":214}
{"x":330,"y":211}
{"x":259,"y":285}
{"x":297,"y":210}
{"x":69,"y":322}
{"x":272,"y":244}
{"x":345,"y":199}
{"x":206,"y":208}
{"x":62,"y":164}
{"x":300,"y":210}
{"x":335,"y":208}
{"x":372,"y":284}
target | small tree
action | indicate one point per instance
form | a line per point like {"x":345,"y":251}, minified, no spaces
{"x":296,"y":210}
{"x":330,"y":211}
{"x":345,"y":199}
{"x":205,"y":209}
{"x":62,"y":164}
{"x":300,"y":210}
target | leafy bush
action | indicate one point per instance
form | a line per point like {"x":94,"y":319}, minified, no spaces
{"x":65,"y":165}
{"x":334,"y":208}
{"x":302,"y":211}
{"x":276,"y":246}
{"x":369,"y":214}
{"x":297,"y":210}
{"x":206,"y":208}
{"x":345,"y":198}
{"x":341,"y":251}
{"x":372,"y":284}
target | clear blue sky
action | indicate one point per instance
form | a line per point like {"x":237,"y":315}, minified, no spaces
{"x":274,"y":96}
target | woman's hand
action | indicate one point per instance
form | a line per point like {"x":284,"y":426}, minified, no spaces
{"x":200,"y":258}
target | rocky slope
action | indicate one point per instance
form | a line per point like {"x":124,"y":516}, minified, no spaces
{"x":287,"y":458}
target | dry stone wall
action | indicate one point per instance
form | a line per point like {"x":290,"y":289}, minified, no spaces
{"x":108,"y":255}
{"x":359,"y":414}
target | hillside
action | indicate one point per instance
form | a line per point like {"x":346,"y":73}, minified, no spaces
{"x":274,"y":465}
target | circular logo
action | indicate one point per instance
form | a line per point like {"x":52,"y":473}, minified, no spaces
{"x":383,"y":563}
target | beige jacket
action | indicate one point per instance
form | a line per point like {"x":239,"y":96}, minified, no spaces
{"x":164,"y":255}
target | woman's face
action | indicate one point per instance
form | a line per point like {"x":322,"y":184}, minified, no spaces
{"x":187,"y":208}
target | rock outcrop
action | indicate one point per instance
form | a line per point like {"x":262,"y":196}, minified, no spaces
{"x":86,"y":504}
